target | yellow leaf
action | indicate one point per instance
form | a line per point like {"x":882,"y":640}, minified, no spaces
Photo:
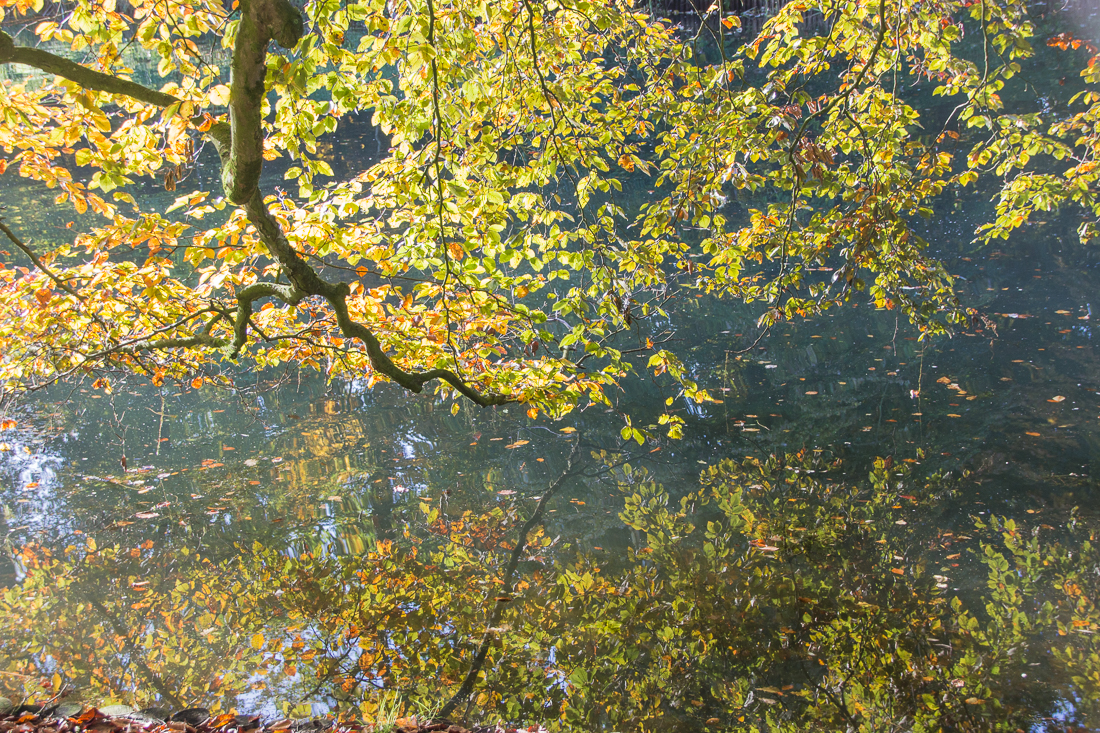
{"x":257,"y":641}
{"x":219,"y":95}
{"x":731,"y":21}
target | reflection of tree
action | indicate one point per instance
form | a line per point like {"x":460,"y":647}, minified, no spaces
{"x":777,"y":595}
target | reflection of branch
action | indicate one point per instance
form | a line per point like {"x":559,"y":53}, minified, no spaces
{"x":509,"y":572}
{"x":135,"y":654}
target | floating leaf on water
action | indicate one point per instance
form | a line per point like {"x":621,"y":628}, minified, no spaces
{"x":116,"y":710}
{"x":1034,"y":435}
{"x":506,"y":492}
{"x":951,"y":414}
{"x":897,"y":571}
{"x":1063,"y":313}
{"x":156,"y":713}
{"x":147,"y":515}
{"x":251,"y":462}
{"x":1056,"y":398}
{"x":7,"y":425}
{"x":811,"y":393}
{"x":568,"y":430}
{"x":64,"y":710}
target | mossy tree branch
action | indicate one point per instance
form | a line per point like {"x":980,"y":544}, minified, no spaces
{"x":240,"y":147}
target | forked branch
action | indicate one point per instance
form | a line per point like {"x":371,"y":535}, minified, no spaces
{"x":240,"y":147}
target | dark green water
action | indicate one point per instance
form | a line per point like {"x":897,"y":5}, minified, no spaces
{"x":308,"y":469}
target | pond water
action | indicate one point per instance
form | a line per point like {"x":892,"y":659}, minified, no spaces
{"x":305,"y":547}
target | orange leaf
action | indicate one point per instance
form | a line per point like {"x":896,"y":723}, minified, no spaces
{"x":196,"y":382}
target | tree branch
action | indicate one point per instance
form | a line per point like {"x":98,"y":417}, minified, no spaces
{"x":306,"y":280}
{"x":34,"y":258}
{"x":286,"y":293}
{"x":240,"y":147}
{"x":82,"y":75}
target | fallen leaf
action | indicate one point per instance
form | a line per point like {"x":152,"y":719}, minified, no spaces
{"x":1034,"y":435}
{"x":1056,"y":398}
{"x":147,"y":515}
{"x":897,"y":571}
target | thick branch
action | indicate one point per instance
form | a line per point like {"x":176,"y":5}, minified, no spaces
{"x":240,"y":147}
{"x":82,"y":75}
{"x":306,"y":280}
{"x":286,"y":293}
{"x":203,"y":339}
{"x":261,"y":21}
{"x":100,"y":82}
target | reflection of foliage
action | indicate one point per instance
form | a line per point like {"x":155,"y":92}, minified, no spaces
{"x":776,"y":596}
